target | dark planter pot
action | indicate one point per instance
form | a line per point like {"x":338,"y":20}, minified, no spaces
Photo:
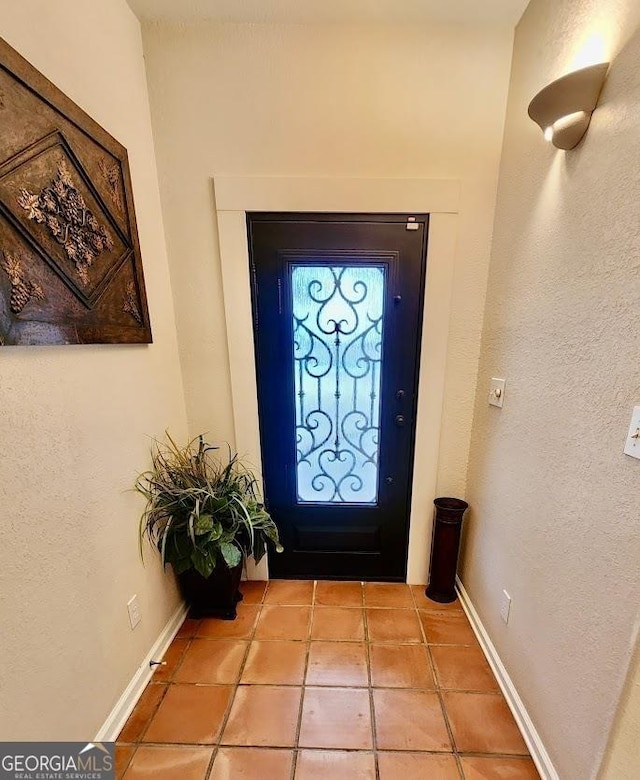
{"x":447,"y":526}
{"x":214,"y":596}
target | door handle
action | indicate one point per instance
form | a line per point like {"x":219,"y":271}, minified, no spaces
{"x":400,"y":420}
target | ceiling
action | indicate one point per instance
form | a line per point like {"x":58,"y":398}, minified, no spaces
{"x":332,"y":11}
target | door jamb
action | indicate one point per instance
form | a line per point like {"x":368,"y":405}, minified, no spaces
{"x":234,"y":197}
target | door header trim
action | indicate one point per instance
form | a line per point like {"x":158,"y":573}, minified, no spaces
{"x":384,"y":196}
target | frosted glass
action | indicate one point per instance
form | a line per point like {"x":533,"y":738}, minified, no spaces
{"x":337,"y":341}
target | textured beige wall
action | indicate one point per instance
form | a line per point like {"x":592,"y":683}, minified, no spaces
{"x":555,"y":502}
{"x":73,"y":428}
{"x":623,"y":756}
{"x":414,"y":101}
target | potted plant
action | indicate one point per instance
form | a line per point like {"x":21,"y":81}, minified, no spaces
{"x":204,"y":515}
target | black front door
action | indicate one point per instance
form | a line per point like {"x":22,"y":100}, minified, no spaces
{"x":337,"y":304}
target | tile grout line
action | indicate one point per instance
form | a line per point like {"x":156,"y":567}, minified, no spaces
{"x":436,"y":681}
{"x":399,"y":751}
{"x":295,"y":751}
{"x":445,"y":715}
{"x":363,"y":687}
{"x":403,"y":642}
{"x":372,"y":706}
{"x":232,"y":698}
{"x":280,"y":748}
{"x":209,"y":769}
{"x":128,"y":764}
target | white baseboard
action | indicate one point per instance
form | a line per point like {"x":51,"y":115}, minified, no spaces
{"x":124,"y":706}
{"x":536,"y":747}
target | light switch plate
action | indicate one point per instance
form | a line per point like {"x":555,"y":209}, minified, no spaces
{"x":632,"y":445}
{"x":496,"y":392}
{"x":505,"y":606}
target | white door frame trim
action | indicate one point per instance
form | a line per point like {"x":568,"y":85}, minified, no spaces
{"x":236,"y":195}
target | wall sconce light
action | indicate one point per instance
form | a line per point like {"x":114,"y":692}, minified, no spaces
{"x":563,"y":108}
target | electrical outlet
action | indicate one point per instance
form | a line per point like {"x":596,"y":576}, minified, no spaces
{"x":505,"y":606}
{"x":134,"y":611}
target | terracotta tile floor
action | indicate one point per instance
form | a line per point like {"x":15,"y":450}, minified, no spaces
{"x":326,"y":681}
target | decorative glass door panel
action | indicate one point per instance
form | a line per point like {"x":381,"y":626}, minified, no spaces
{"x":337,"y":327}
{"x":337,"y":306}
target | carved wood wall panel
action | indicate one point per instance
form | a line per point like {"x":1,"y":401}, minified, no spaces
{"x":70,"y":265}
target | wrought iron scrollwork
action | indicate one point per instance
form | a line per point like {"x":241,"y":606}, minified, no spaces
{"x":337,"y":341}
